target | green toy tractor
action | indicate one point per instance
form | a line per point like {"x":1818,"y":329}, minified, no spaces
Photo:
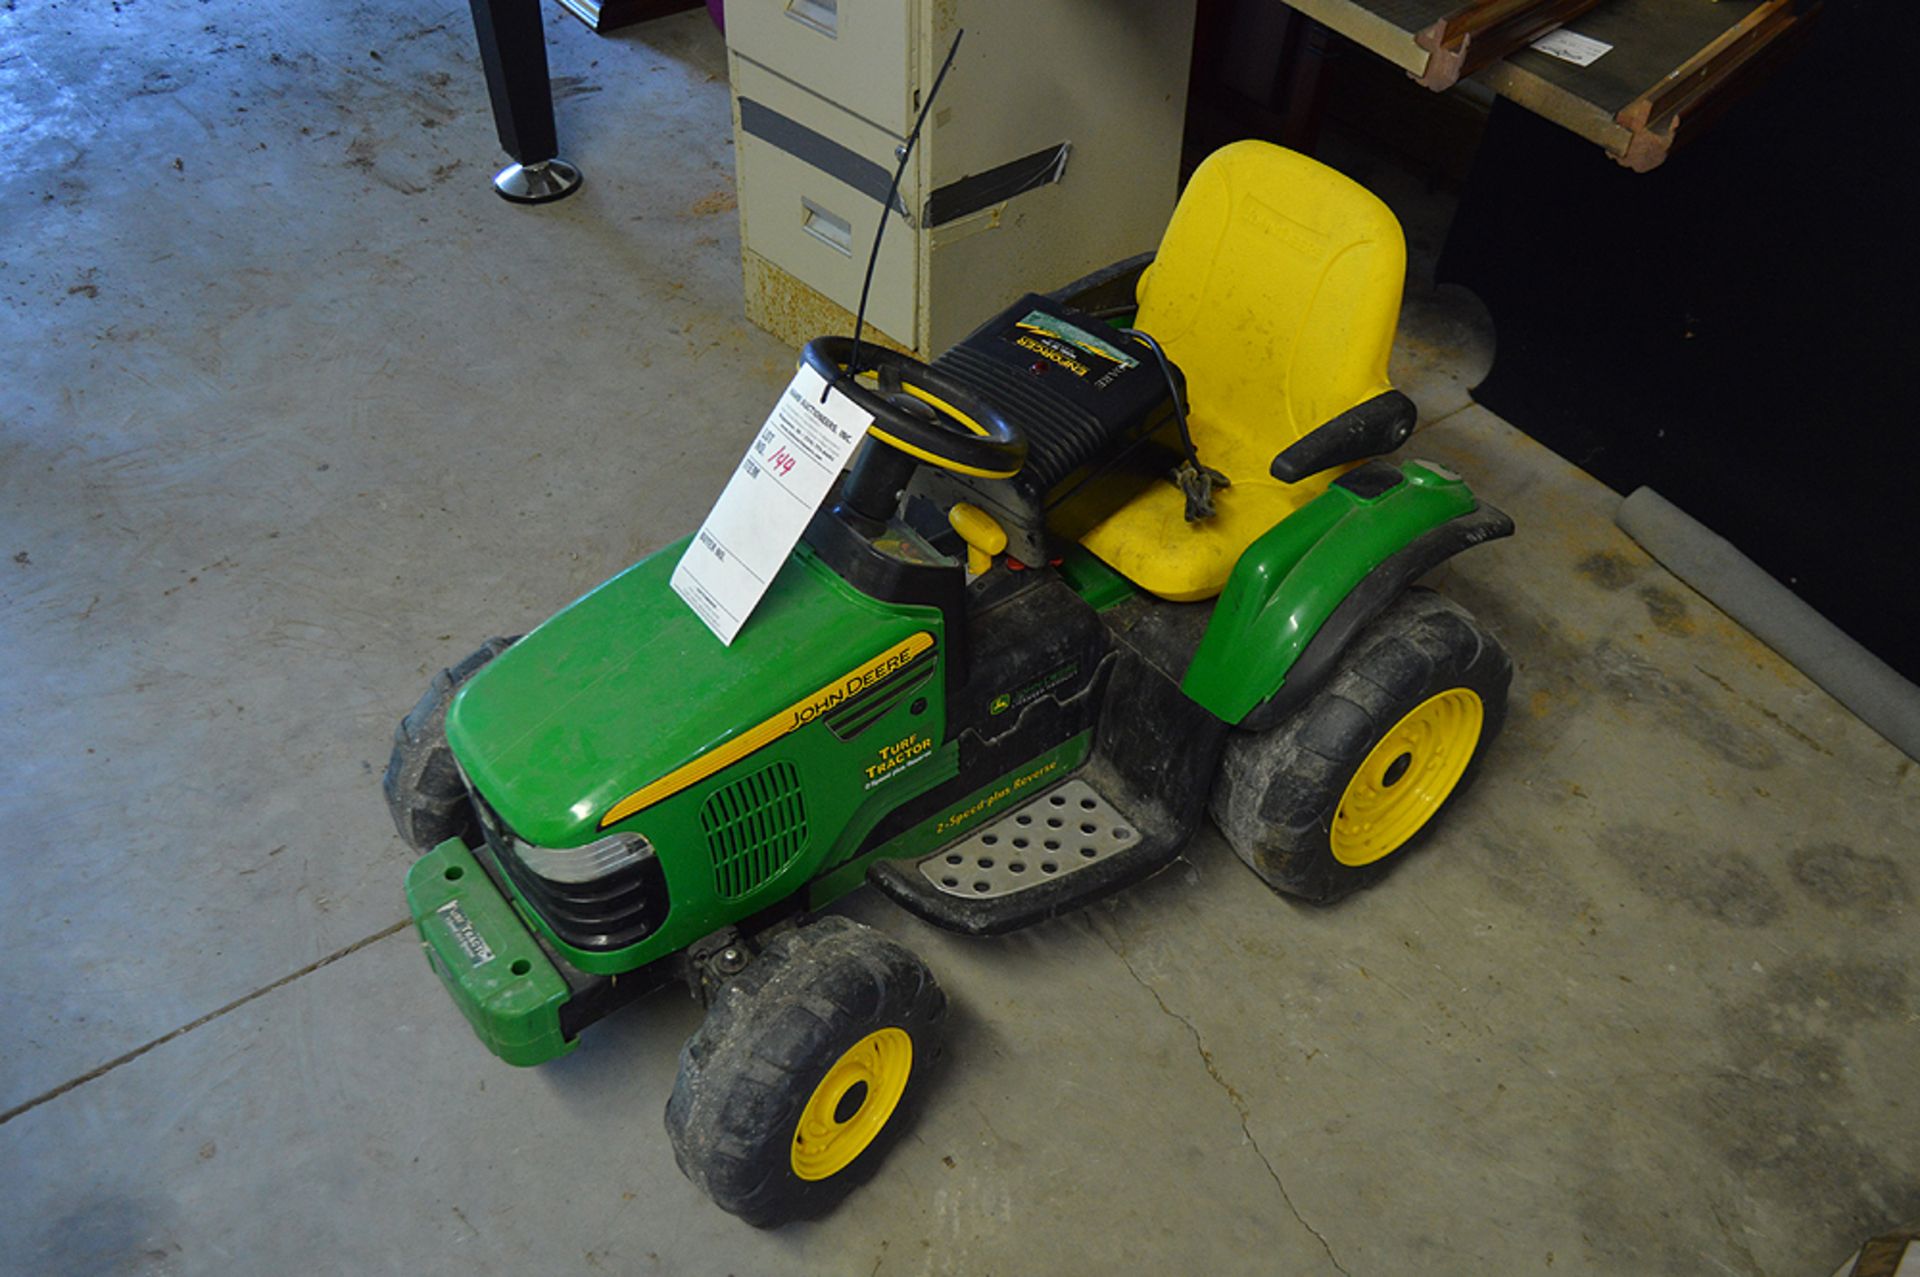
{"x":1124,"y":557}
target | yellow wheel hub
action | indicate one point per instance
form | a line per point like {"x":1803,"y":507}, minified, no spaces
{"x":1406,"y":777}
{"x":850,"y":1107}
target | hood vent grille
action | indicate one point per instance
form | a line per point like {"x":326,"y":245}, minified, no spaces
{"x":754,"y":827}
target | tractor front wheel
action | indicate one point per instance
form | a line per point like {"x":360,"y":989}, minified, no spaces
{"x":1336,"y":795}
{"x":425,"y":794}
{"x":809,"y":1064}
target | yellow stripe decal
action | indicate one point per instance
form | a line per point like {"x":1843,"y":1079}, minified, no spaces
{"x":927,"y":396}
{"x":943,"y":462}
{"x":796,"y":715}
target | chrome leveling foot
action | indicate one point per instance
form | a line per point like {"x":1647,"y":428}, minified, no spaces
{"x":540,"y":183}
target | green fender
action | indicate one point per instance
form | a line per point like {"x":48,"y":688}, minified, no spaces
{"x":1300,"y":592}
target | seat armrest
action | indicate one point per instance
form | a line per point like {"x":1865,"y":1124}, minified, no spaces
{"x":1369,"y":429}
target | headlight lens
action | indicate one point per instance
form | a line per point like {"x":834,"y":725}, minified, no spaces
{"x":584,"y":864}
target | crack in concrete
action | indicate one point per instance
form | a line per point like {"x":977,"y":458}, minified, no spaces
{"x":285,"y":980}
{"x":1240,"y":1106}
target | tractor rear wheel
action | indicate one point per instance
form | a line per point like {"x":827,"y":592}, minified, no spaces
{"x":810,"y":1062}
{"x":424,"y":791}
{"x":1331,"y":799}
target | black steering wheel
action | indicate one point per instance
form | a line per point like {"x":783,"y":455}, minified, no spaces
{"x":930,"y":417}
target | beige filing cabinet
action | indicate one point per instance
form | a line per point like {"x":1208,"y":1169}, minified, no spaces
{"x":1053,"y":149}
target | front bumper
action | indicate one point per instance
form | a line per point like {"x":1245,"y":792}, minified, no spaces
{"x":491,"y":964}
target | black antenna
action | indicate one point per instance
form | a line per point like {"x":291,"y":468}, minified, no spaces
{"x":893,"y":196}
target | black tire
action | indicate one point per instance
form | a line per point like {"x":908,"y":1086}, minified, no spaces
{"x":424,"y":791}
{"x":769,"y":1041}
{"x":1279,"y":791}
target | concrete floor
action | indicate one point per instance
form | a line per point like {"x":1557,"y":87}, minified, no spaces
{"x":295,"y":412}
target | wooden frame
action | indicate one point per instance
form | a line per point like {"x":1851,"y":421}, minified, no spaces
{"x":1702,"y":86}
{"x":1480,"y":33}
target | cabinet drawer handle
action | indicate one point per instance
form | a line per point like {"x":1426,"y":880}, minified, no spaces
{"x":822,"y":15}
{"x":835,"y":232}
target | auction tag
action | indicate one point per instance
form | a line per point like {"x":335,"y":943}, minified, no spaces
{"x":1571,"y":46}
{"x":766,"y":505}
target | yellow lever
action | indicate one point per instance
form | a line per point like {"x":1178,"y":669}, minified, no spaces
{"x":984,"y":537}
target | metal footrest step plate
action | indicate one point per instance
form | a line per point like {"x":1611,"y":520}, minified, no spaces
{"x":1059,"y":833}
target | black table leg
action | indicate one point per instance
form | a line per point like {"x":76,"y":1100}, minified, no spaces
{"x":513,"y":49}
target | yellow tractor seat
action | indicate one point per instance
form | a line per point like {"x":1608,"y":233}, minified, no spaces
{"x":1276,"y":289}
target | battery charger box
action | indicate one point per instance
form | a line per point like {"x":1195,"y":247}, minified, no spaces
{"x":1085,"y":394}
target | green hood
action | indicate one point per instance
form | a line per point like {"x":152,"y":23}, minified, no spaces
{"x":627,"y":684}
